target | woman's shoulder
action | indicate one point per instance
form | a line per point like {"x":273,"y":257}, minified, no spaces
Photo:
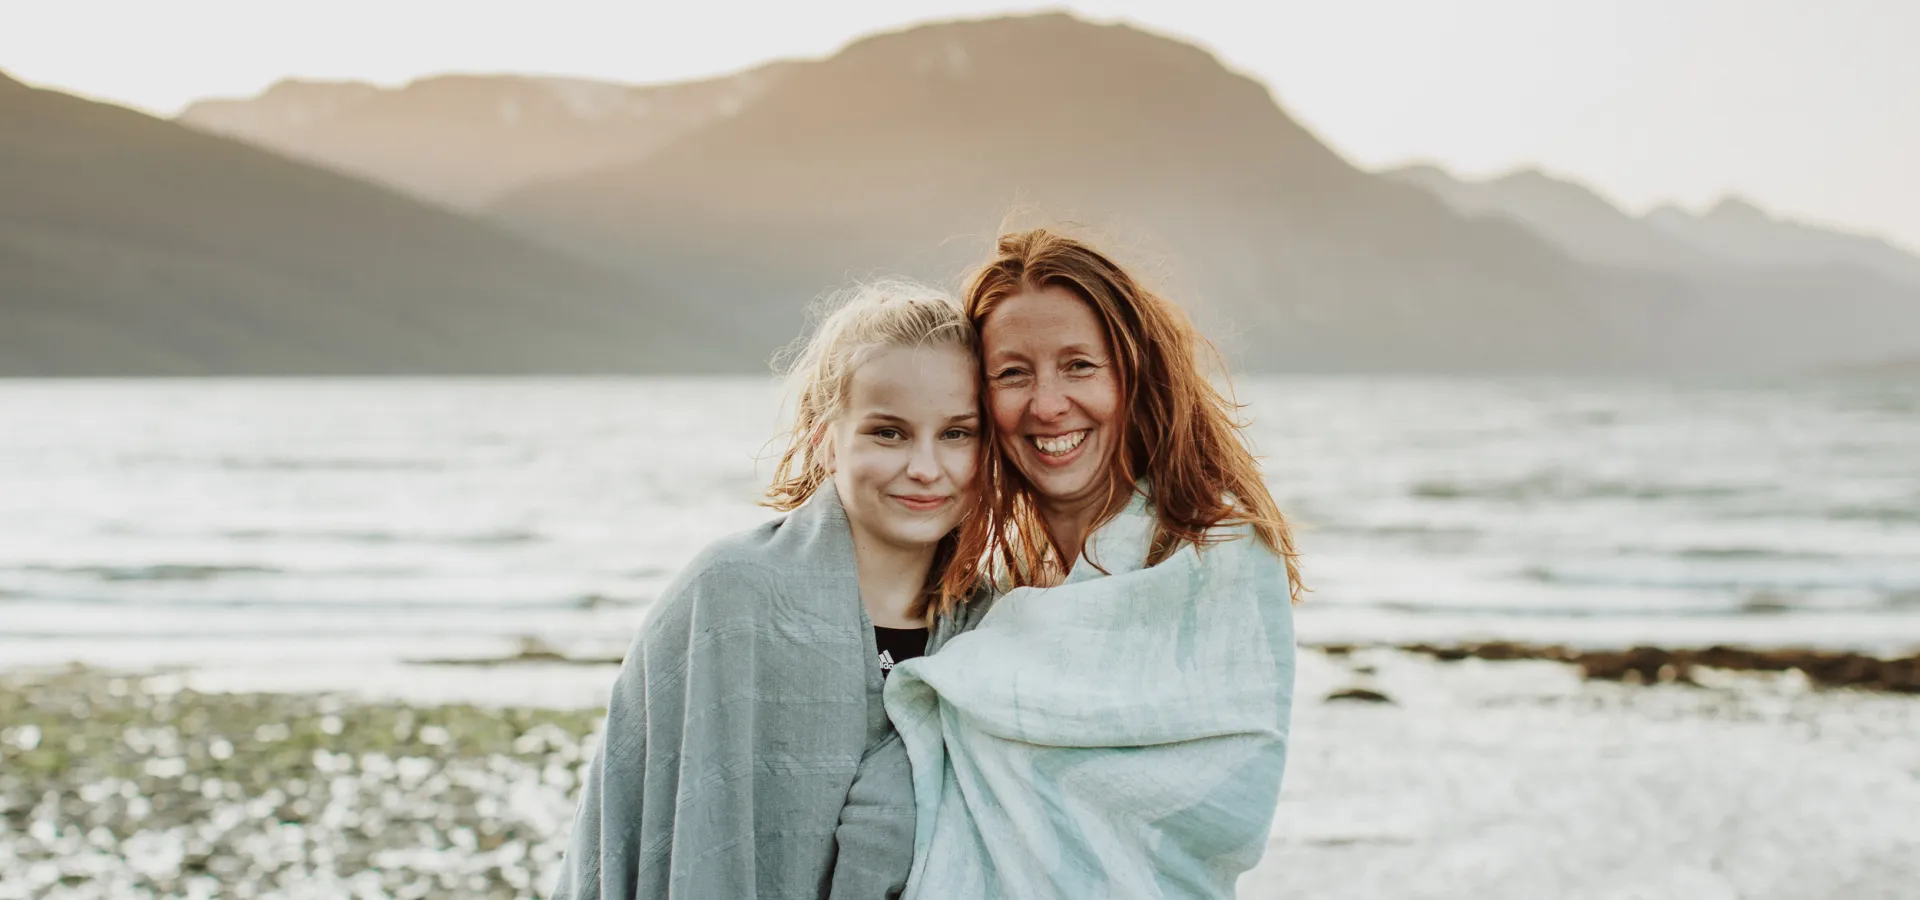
{"x":1236,"y":544}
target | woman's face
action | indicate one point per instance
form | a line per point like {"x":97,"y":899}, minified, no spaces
{"x":1053,"y":394}
{"x":904,"y":448}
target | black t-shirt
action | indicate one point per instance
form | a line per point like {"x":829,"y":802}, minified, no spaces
{"x":897,"y":645}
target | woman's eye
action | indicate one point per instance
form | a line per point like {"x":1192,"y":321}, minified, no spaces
{"x":1008,"y":374}
{"x":1081,"y":365}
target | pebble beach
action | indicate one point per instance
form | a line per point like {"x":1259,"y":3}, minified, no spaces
{"x":1411,"y":776}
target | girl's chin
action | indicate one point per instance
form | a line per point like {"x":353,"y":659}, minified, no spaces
{"x":920,"y":534}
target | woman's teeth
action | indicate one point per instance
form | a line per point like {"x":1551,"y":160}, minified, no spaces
{"x":1060,"y":445}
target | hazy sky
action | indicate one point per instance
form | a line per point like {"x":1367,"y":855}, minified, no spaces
{"x":1810,"y":107}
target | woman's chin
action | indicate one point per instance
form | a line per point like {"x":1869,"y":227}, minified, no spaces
{"x":1064,"y":488}
{"x":1059,"y":484}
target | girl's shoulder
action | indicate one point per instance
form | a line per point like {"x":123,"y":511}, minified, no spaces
{"x":792,"y":565}
{"x":736,"y":574}
{"x":966,"y":617}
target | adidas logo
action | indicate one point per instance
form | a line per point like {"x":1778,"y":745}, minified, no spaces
{"x":886,"y":660}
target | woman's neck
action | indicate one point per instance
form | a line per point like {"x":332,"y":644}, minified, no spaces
{"x":1067,"y":527}
{"x":893,"y":580}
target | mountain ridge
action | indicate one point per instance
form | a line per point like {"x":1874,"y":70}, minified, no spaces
{"x":937,"y":130}
{"x":1733,"y":230}
{"x":697,"y":247}
{"x":462,"y":139}
{"x":134,"y":246}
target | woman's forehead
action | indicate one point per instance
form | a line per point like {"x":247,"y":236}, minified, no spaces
{"x":1051,"y":316}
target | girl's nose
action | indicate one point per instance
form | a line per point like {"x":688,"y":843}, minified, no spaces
{"x":923,"y":465}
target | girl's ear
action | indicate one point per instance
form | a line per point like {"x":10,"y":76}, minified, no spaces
{"x":822,"y":447}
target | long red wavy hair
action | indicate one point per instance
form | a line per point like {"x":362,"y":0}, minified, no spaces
{"x":1182,"y":435}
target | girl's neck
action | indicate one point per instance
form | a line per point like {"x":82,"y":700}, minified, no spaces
{"x":893,"y":580}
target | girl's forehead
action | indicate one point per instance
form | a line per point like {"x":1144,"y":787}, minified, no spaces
{"x":919,"y":376}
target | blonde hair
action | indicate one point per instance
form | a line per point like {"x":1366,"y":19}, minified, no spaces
{"x":854,"y":325}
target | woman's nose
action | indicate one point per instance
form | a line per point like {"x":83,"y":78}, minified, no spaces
{"x":1049,"y":401}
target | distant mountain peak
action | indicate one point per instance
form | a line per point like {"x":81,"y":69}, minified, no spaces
{"x":1421,"y":169}
{"x":1052,"y":76}
{"x":297,"y":90}
{"x":1732,"y":209}
{"x":1738,"y":230}
{"x":1531,"y":175}
{"x":1578,"y":219}
{"x":1565,"y":186}
{"x":1534,"y":181}
{"x":462,"y":139}
{"x":949,"y":46}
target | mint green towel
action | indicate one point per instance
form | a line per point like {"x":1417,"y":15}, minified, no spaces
{"x":1120,"y":735}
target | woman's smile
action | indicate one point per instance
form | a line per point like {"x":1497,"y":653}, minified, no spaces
{"x":1059,"y":449}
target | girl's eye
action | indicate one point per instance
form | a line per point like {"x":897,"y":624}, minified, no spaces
{"x":888,"y":434}
{"x":958,"y":434}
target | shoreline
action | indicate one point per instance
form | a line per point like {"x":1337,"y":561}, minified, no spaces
{"x":1660,"y":665}
{"x":1433,"y":772}
{"x":1643,"y":664}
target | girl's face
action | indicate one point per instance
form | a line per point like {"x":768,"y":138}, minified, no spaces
{"x":904,"y":448}
{"x":1053,"y":394}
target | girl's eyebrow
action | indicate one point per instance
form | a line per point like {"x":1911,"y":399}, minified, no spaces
{"x":890,"y":417}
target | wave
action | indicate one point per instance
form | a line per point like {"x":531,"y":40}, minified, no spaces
{"x":1896,"y":514}
{"x":1751,"y":582}
{"x":582,"y":602}
{"x":1558,"y":487}
{"x":155,"y":572}
{"x":351,"y":536}
{"x":1746,"y":553}
{"x":1749,"y":606}
{"x":321,"y":464}
{"x":373,"y":629}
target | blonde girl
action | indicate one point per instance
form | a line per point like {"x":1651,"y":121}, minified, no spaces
{"x":747,"y":752}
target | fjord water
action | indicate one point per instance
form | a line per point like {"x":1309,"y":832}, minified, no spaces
{"x":346,"y":522}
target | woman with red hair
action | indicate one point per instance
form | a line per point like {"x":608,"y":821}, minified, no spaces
{"x":1114,"y":723}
